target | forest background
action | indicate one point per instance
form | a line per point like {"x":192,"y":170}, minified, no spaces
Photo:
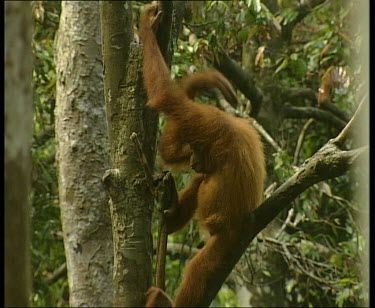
{"x":299,"y":68}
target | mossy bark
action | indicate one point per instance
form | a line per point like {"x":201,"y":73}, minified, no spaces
{"x":131,"y":201}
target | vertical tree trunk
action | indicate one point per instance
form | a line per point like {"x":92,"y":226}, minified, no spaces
{"x":362,"y":137}
{"x":82,"y":155}
{"x":18,"y":134}
{"x":131,"y":200}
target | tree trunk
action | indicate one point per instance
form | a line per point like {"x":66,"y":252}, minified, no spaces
{"x":131,"y":199}
{"x":18,"y":134}
{"x":82,"y":155}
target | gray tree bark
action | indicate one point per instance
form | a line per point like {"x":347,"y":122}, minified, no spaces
{"x":82,"y":155}
{"x":18,"y":134}
{"x":131,"y":199}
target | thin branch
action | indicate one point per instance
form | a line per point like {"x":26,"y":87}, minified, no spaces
{"x":198,"y":25}
{"x":224,"y":104}
{"x":229,"y":108}
{"x":286,"y":222}
{"x":266,"y":135}
{"x":299,"y":92}
{"x":312,"y":112}
{"x":344,"y":133}
{"x":275,"y":242}
{"x":269,"y":190}
{"x":289,"y":94}
{"x":167,"y":196}
{"x":337,"y":111}
{"x":294,"y":260}
{"x":57,"y":274}
{"x":301,"y":137}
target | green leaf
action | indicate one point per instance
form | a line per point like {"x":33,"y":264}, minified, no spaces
{"x":298,"y":67}
{"x":290,"y":285}
{"x":243,"y":34}
{"x":266,"y":273}
{"x":282,"y":66}
{"x":257,"y":6}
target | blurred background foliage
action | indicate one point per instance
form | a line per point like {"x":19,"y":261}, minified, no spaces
{"x":310,"y":255}
{"x":50,"y":288}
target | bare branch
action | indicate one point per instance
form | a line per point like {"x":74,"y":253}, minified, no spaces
{"x":344,"y":133}
{"x":337,"y":111}
{"x":312,"y":112}
{"x":56,"y":275}
{"x":301,"y":137}
{"x":228,"y":108}
{"x":167,"y":196}
{"x":266,"y":136}
{"x":286,"y":222}
{"x":290,"y":94}
{"x":298,"y":92}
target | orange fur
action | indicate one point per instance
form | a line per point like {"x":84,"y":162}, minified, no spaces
{"x":207,"y":80}
{"x":225,"y":151}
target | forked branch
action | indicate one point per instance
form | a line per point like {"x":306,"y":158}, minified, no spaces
{"x":329,"y":162}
